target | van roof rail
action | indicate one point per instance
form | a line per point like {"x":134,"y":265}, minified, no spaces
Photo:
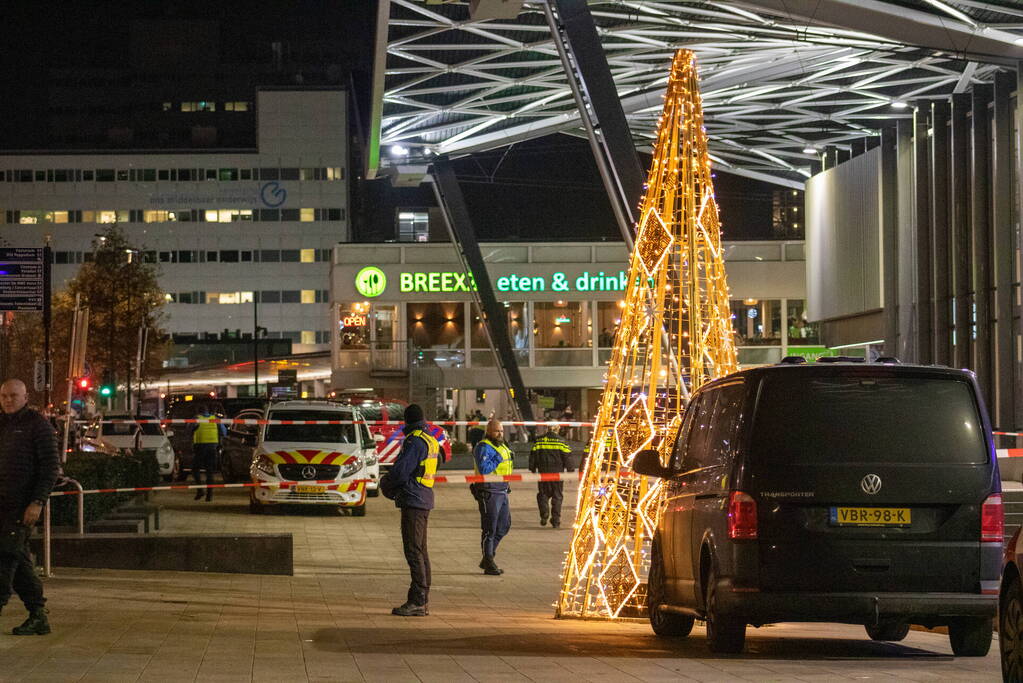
{"x":841,"y":359}
{"x":792,"y":360}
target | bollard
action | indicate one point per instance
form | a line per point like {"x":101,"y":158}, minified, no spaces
{"x":81,"y":506}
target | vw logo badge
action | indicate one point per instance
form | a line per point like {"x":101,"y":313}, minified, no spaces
{"x":309,"y":472}
{"x":871,"y":484}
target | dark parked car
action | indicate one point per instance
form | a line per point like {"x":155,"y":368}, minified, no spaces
{"x":1010,"y":612}
{"x":832,"y":492}
{"x":238,"y":446}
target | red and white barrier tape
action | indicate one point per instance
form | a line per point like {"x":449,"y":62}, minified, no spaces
{"x":331,"y":484}
{"x":1007,"y":433}
{"x":371,"y":423}
{"x":1009,"y":452}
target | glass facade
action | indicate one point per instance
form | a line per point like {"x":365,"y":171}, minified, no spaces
{"x":545,"y":333}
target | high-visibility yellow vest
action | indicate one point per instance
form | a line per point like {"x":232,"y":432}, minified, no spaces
{"x":207,"y":431}
{"x":506,"y":466}
{"x":546,"y":442}
{"x":429,"y":463}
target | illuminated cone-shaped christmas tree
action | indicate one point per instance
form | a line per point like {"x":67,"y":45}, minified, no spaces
{"x":675,"y":334}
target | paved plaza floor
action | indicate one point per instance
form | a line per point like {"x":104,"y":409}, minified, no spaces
{"x":331,"y":621}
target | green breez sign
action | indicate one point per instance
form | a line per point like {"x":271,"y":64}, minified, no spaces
{"x":371,"y":281}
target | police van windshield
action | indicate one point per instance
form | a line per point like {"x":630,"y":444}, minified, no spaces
{"x":322,"y":433}
{"x":866,"y":419}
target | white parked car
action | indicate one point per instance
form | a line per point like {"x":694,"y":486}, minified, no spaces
{"x":127,"y":436}
{"x":313,"y":464}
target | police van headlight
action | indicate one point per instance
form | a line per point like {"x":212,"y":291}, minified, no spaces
{"x":265,"y":465}
{"x":371,"y":460}
{"x":351,"y":468}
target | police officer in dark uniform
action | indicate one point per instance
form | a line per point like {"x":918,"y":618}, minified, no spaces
{"x":410,"y":485}
{"x":492,"y":456}
{"x":549,"y":454}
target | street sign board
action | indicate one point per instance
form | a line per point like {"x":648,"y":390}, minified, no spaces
{"x":22,"y":281}
{"x":42,"y":375}
{"x":289,"y":376}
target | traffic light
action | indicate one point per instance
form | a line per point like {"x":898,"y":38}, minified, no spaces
{"x":84,"y":384}
{"x":109,"y":385}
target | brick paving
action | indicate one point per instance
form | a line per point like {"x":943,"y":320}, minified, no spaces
{"x":332,"y":621}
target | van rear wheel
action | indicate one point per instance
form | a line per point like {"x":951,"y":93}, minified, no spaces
{"x":970,"y":637}
{"x":358,"y":510}
{"x":665,"y":624}
{"x":724,"y":634}
{"x":890,"y":631}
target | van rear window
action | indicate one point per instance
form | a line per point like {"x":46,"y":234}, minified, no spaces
{"x":864,"y":419}
{"x":322,"y":433}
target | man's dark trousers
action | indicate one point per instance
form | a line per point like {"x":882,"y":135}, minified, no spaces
{"x":204,"y":457}
{"x":495,"y":519}
{"x":18,"y":575}
{"x":549,"y":495}
{"x":413,"y":539}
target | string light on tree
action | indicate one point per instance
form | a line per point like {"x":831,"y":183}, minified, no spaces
{"x":674,"y":335}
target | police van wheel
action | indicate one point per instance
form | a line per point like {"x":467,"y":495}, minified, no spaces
{"x":372,"y":493}
{"x":358,"y":510}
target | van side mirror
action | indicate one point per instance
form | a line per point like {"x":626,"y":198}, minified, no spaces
{"x":648,"y":463}
{"x":378,"y":438}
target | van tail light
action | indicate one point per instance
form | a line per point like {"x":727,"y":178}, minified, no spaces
{"x":742,"y":516}
{"x":992,"y":520}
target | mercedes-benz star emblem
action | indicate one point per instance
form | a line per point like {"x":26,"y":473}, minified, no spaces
{"x":309,"y":472}
{"x":871,"y":484}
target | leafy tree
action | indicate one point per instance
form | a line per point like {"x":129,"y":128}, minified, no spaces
{"x":122,"y":294}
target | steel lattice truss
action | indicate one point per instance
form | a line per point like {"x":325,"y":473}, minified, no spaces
{"x":777,"y":84}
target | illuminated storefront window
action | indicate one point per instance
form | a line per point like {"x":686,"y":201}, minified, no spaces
{"x":801,"y":332}
{"x":562,"y":333}
{"x":518,"y":334}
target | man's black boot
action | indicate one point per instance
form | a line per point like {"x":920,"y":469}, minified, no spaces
{"x":490,"y":567}
{"x":543,"y":521}
{"x":36,"y":625}
{"x":198,"y":494}
{"x":209,"y":496}
{"x":410,"y":610}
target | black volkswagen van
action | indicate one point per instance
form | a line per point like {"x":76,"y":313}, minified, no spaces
{"x":861,"y":493}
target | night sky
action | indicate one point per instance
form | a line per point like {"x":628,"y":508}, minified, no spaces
{"x":542,"y":189}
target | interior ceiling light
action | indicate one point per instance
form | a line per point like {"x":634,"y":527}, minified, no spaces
{"x":1018,"y":41}
{"x":399,"y":151}
{"x":899,"y":104}
{"x":809,"y":150}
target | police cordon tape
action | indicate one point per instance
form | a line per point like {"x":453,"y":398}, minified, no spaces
{"x":438,"y":479}
{"x":1007,"y":433}
{"x":333,"y":484}
{"x":371,"y":423}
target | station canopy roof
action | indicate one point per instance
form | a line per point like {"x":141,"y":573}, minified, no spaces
{"x":781,"y":79}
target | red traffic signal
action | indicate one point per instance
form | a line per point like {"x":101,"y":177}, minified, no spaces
{"x":84,"y":384}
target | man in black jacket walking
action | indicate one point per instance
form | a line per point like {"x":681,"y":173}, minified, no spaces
{"x":28,"y":469}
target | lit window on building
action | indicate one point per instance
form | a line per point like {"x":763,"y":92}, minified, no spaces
{"x":309,"y":296}
{"x":413,"y":226}
{"x":307,"y":215}
{"x":335,"y":173}
{"x":785,"y":222}
{"x":237,"y":106}
{"x":308,"y":336}
{"x":307,"y":256}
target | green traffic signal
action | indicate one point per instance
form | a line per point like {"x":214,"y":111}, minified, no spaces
{"x":106,"y":391}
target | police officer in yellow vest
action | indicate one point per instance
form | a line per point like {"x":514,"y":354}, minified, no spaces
{"x":493,"y":456}
{"x":409,"y":484}
{"x":205,"y":443}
